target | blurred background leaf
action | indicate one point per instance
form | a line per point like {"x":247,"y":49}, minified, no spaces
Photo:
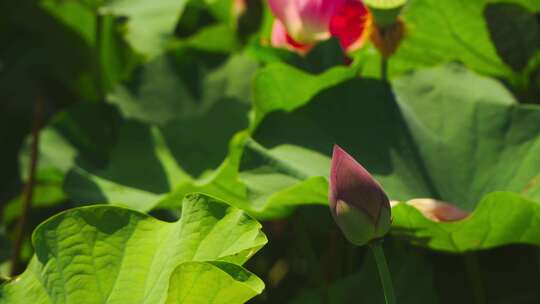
{"x":504,"y":22}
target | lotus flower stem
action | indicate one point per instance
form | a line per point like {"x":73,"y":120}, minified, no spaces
{"x":384,"y":273}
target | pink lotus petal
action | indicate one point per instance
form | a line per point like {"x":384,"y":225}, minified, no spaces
{"x":438,"y":211}
{"x":306,"y":21}
{"x":280,"y":39}
{"x":350,"y":24}
{"x":309,"y":21}
{"x":239,"y":7}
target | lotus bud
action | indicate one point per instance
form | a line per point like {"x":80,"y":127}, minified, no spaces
{"x":357,"y":202}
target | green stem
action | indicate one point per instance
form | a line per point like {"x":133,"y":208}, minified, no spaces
{"x":384,"y":69}
{"x":384,"y":273}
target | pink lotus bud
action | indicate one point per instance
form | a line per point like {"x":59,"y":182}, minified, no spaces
{"x":300,"y":24}
{"x":357,"y":202}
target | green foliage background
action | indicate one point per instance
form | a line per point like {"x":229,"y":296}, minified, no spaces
{"x":148,"y":102}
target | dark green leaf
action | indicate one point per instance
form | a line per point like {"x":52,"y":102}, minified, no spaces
{"x":515,"y":33}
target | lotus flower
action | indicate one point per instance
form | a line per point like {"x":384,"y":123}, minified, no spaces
{"x":357,"y":202}
{"x":300,"y":24}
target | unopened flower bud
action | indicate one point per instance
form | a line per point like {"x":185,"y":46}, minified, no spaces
{"x":357,"y":202}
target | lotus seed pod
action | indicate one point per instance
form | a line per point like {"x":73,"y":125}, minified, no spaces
{"x":388,"y":29}
{"x":385,"y":12}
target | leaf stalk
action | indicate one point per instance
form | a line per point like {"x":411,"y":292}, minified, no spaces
{"x":28,"y":188}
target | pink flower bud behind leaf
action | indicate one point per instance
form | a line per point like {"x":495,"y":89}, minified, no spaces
{"x":238,"y":7}
{"x":357,"y":202}
{"x":438,"y":211}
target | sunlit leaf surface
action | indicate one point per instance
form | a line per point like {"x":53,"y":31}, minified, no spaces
{"x":104,"y":254}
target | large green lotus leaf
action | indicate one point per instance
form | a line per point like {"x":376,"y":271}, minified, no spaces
{"x":150,"y":24}
{"x":183,"y":83}
{"x":472,"y":144}
{"x":402,"y":137}
{"x":291,"y":88}
{"x":445,"y":135}
{"x":110,"y":159}
{"x":86,"y":131}
{"x":122,"y":256}
{"x":500,"y":218}
{"x":217,"y":282}
{"x":440,"y":32}
{"x":108,"y":56}
{"x":79,"y":16}
{"x":83,"y":131}
{"x":273,"y":180}
{"x":219,"y":38}
{"x":222,"y":183}
{"x":147,"y":182}
{"x":155,"y":93}
{"x":292,"y":148}
{"x":147,"y":162}
{"x":453,"y":82}
{"x":225,"y":182}
{"x":504,"y":20}
{"x":139,"y":170}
